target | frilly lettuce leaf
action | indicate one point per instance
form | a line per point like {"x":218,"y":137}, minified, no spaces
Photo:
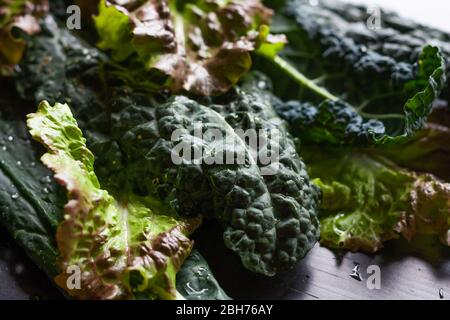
{"x":203,"y":47}
{"x":125,"y":247}
{"x":368,"y":199}
{"x":21,"y":14}
{"x":430,"y":202}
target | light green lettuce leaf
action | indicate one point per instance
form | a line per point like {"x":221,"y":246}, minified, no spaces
{"x":368,"y":200}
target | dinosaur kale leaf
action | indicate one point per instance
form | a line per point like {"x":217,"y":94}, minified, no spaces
{"x":367,"y":199}
{"x":30,"y":201}
{"x":350,"y":94}
{"x":269,"y":220}
{"x":55,"y":66}
{"x":203,"y":47}
{"x":395,"y":37}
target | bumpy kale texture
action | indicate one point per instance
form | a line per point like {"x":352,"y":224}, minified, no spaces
{"x":337,"y":34}
{"x":269,"y":220}
{"x":372,"y":98}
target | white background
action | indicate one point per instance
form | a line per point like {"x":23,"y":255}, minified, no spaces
{"x":435,"y":13}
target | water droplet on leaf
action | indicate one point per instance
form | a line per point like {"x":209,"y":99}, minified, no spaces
{"x":46,"y":180}
{"x":19,"y":269}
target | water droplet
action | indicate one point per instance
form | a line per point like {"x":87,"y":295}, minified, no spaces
{"x":441,"y":293}
{"x":261,"y":85}
{"x":4,"y":148}
{"x":46,"y":180}
{"x":314,"y":3}
{"x":33,"y":164}
{"x":356,"y":274}
{"x":46,"y":190}
{"x":19,"y":163}
{"x":10,"y":138}
{"x":15,"y":196}
{"x":19,"y":269}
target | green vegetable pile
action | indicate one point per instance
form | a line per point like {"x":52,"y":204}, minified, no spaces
{"x":88,"y":180}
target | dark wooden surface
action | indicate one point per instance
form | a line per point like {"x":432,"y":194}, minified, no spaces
{"x":415,"y":270}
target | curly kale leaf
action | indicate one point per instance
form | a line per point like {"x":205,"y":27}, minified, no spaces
{"x":123,"y":248}
{"x":376,"y":122}
{"x":357,"y":95}
{"x":428,"y":151}
{"x":368,"y":200}
{"x":203,"y":47}
{"x":22,"y":15}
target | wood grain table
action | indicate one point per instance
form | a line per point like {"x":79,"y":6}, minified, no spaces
{"x":417,"y":270}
